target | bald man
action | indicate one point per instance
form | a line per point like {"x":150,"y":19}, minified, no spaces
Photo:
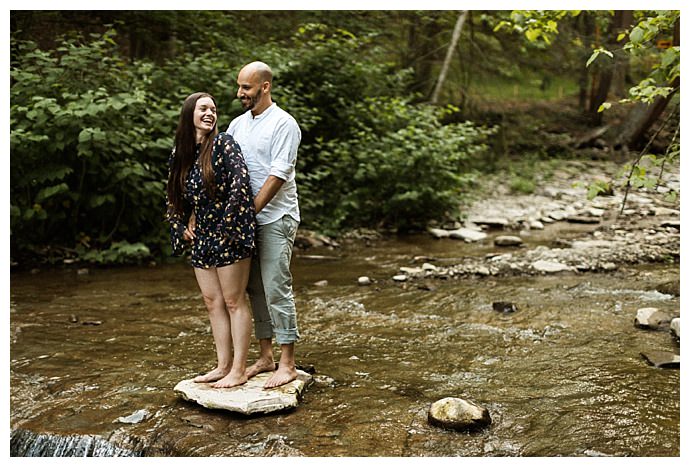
{"x":269,"y":138}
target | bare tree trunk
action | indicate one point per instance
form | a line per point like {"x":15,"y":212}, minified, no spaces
{"x":621,"y":20}
{"x":643,"y":116}
{"x":449,"y":55}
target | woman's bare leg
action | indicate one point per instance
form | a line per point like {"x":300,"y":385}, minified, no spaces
{"x":233,"y":280}
{"x":211,"y":290}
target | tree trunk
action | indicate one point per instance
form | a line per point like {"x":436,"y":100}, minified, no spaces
{"x":586,"y":24}
{"x":449,"y":55}
{"x":621,"y":21}
{"x":643,"y":116}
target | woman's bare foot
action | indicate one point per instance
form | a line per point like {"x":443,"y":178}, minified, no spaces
{"x":211,"y":376}
{"x":231,"y":380}
{"x":283,"y":375}
{"x":261,"y":366}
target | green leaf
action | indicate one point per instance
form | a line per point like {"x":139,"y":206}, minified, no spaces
{"x":51,"y":191}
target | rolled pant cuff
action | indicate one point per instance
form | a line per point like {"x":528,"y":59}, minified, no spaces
{"x":286,"y":337}
{"x":263,"y":330}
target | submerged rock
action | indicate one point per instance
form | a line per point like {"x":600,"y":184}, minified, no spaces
{"x":458,"y":414}
{"x":661,"y":359}
{"x":137,"y":417}
{"x":250,"y":398}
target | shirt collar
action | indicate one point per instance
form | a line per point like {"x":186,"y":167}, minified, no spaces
{"x":264,"y":113}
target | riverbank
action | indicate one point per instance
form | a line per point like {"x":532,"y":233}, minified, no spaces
{"x":513,"y":226}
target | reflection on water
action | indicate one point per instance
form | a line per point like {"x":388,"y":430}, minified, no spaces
{"x":561,"y":376}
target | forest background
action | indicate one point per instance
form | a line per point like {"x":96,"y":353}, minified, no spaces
{"x":402,"y":112}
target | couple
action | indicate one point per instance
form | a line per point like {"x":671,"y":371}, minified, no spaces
{"x":233,"y":197}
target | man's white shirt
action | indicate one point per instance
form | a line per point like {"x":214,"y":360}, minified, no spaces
{"x":269,"y":144}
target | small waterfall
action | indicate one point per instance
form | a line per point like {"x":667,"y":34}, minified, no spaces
{"x":24,"y":443}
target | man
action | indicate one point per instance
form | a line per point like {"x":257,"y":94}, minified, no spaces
{"x":269,"y":138}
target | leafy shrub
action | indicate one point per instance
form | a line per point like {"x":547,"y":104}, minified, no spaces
{"x":86,"y":160}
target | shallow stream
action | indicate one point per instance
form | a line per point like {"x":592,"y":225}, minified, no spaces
{"x":562,"y":376}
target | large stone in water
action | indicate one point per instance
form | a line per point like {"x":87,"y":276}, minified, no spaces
{"x":458,"y":414}
{"x":651,"y":318}
{"x":661,"y":359}
{"x":250,"y":398}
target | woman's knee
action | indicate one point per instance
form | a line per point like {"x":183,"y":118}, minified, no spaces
{"x":213,"y":303}
{"x":234,"y":302}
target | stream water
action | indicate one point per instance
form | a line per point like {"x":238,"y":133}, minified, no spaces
{"x":562,"y":376}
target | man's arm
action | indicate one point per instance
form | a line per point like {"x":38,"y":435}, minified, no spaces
{"x":267,"y":192}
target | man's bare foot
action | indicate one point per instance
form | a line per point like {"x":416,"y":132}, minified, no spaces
{"x":231,"y":380}
{"x":283,"y":375}
{"x":261,"y":366}
{"x":211,"y":376}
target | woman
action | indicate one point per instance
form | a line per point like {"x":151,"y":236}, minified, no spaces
{"x":210,"y":205}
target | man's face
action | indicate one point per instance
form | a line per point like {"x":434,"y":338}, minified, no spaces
{"x":249,"y":89}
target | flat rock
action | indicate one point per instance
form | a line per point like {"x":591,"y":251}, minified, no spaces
{"x":549,"y":266}
{"x":250,"y":398}
{"x":498,"y":222}
{"x":661,"y":359}
{"x":468,"y":235}
{"x":439,"y":233}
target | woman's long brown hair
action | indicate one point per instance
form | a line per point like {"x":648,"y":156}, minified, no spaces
{"x":185,"y":149}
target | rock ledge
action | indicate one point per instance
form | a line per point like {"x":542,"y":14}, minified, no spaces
{"x":250,"y":398}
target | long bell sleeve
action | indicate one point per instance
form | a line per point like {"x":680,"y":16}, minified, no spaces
{"x":238,"y":221}
{"x":178,"y":222}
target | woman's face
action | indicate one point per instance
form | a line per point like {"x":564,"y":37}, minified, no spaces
{"x":204,"y":117}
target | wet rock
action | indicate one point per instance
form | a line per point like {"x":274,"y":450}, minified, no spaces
{"x":363,"y":280}
{"x":137,"y":417}
{"x":661,"y":359}
{"x":400,"y":278}
{"x":536,"y":225}
{"x":504,"y":307}
{"x":322,"y":283}
{"x":82,"y":271}
{"x":507,"y":240}
{"x":468,"y":235}
{"x":250,"y":398}
{"x":429,"y":267}
{"x":411,"y":271}
{"x":674,"y":224}
{"x":494,"y":222}
{"x":675,"y":327}
{"x":651,"y":318}
{"x":583,"y":220}
{"x":669,"y":288}
{"x":458,"y":414}
{"x":439,"y":233}
{"x":549,"y":266}
{"x":661,"y":211}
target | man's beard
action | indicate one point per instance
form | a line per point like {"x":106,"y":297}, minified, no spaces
{"x":250,"y":102}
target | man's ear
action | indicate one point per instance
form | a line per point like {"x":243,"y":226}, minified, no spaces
{"x":266,"y":87}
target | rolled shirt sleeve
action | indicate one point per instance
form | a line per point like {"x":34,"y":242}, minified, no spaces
{"x":284,"y":150}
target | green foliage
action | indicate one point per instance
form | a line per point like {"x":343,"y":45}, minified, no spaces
{"x":398,"y":171}
{"x":85,"y":156}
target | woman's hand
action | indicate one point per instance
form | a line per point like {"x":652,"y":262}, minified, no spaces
{"x":189,"y":230}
